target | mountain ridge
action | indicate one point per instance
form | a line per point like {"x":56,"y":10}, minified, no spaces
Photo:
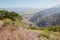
{"x":42,"y":17}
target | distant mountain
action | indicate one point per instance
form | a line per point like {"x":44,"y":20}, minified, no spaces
{"x":25,"y":12}
{"x":48,"y":17}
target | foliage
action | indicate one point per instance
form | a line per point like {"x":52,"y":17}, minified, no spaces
{"x":11,"y":15}
{"x":46,"y":32}
{"x":8,"y":21}
{"x":55,"y":28}
{"x":33,"y":28}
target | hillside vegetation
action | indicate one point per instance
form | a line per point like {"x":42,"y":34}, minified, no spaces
{"x":14,"y":27}
{"x":11,"y":15}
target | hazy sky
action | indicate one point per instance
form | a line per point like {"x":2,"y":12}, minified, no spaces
{"x":29,"y":3}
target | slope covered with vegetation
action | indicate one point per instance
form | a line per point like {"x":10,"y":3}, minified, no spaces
{"x":14,"y":27}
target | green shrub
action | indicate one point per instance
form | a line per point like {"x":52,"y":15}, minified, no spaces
{"x":8,"y":22}
{"x":46,"y":33}
{"x":55,"y":28}
{"x":12,"y":15}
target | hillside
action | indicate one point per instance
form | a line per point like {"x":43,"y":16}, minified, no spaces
{"x":48,"y":17}
{"x":17,"y":34}
{"x":14,"y":27}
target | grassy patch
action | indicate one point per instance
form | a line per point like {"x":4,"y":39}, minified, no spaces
{"x":46,"y":33}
